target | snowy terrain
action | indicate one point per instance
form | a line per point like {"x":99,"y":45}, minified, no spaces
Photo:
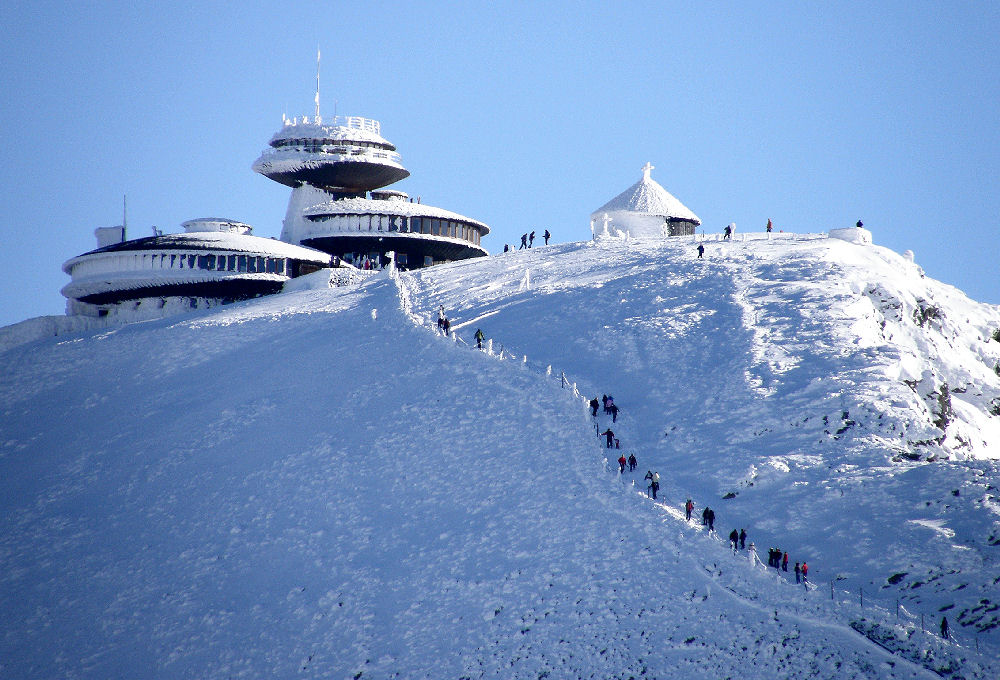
{"x":317,"y":484}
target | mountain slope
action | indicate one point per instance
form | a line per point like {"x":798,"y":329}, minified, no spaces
{"x":313,"y":484}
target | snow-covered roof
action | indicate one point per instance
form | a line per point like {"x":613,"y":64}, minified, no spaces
{"x":352,"y":128}
{"x":647,"y":197}
{"x":365,"y":206}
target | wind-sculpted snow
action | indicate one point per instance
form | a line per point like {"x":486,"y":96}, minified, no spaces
{"x":313,"y":485}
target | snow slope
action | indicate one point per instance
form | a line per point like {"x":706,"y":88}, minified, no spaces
{"x":317,"y":484}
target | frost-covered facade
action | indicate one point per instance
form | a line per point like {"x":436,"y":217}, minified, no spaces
{"x":215,"y":261}
{"x":645,"y":209}
{"x":337,"y":168}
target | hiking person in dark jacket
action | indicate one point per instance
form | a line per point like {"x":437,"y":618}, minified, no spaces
{"x":701,"y":251}
{"x":614,"y":412}
{"x":611,"y":437}
{"x":734,"y":538}
{"x":797,"y":572}
{"x":531,"y":239}
{"x":479,"y":338}
{"x":711,"y":519}
{"x":547,"y":236}
{"x":524,"y":241}
{"x":784,"y":562}
{"x":944,"y":627}
{"x":632,"y":462}
{"x":743,"y":538}
{"x":593,"y":407}
{"x":704,"y":516}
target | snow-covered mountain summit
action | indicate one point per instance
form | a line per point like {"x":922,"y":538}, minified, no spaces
{"x":319,"y":484}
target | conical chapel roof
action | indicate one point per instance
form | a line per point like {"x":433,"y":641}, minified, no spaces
{"x":647,"y":197}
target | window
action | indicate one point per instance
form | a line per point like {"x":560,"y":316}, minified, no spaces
{"x":415,"y":225}
{"x":241,"y":263}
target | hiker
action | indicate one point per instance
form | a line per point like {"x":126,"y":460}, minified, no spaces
{"x":711,"y":520}
{"x":441,"y":318}
{"x":797,"y":572}
{"x":604,"y":401}
{"x":621,"y":464}
{"x":531,"y":239}
{"x":743,"y":538}
{"x":524,"y":241}
{"x":655,"y":484}
{"x":608,"y":404}
{"x":614,"y":412}
{"x":701,"y":251}
{"x":728,"y":232}
{"x":618,"y":444}
{"x":447,"y":326}
{"x":649,"y":476}
{"x":704,"y":516}
{"x":734,"y":538}
{"x":859,"y":224}
{"x":944,"y":627}
{"x":506,"y":248}
{"x":688,"y":507}
{"x":632,"y":462}
{"x":784,"y":563}
{"x":593,"y":407}
{"x":611,"y":437}
{"x":769,"y":225}
{"x":547,"y":236}
{"x":805,"y":572}
{"x":479,"y":338}
{"x":753,"y":553}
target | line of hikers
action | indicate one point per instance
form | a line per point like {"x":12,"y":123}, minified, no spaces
{"x":528,"y":240}
{"x":444,"y":326}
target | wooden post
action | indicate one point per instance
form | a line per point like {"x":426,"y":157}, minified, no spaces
{"x":861,"y":596}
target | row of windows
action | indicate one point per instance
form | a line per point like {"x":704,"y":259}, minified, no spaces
{"x":251,"y":264}
{"x":317,"y":145}
{"x":414,"y":225}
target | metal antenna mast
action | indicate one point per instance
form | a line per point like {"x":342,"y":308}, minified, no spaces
{"x":317,"y":84}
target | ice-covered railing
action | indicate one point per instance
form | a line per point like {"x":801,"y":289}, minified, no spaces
{"x":351,"y":122}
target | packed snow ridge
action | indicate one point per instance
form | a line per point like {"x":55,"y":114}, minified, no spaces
{"x":319,"y":484}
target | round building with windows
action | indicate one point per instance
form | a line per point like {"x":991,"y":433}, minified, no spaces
{"x":215,"y":261}
{"x":337,"y":169}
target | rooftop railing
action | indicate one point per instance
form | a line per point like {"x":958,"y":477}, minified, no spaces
{"x":352,"y":122}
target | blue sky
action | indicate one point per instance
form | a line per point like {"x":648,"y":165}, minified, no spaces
{"x":522,"y":115}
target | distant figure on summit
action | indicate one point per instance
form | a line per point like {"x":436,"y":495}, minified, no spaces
{"x":547,"y":236}
{"x":769,"y":226}
{"x":728,"y":232}
{"x":524,"y":241}
{"x":701,"y":251}
{"x":531,"y":239}
{"x":859,"y":224}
